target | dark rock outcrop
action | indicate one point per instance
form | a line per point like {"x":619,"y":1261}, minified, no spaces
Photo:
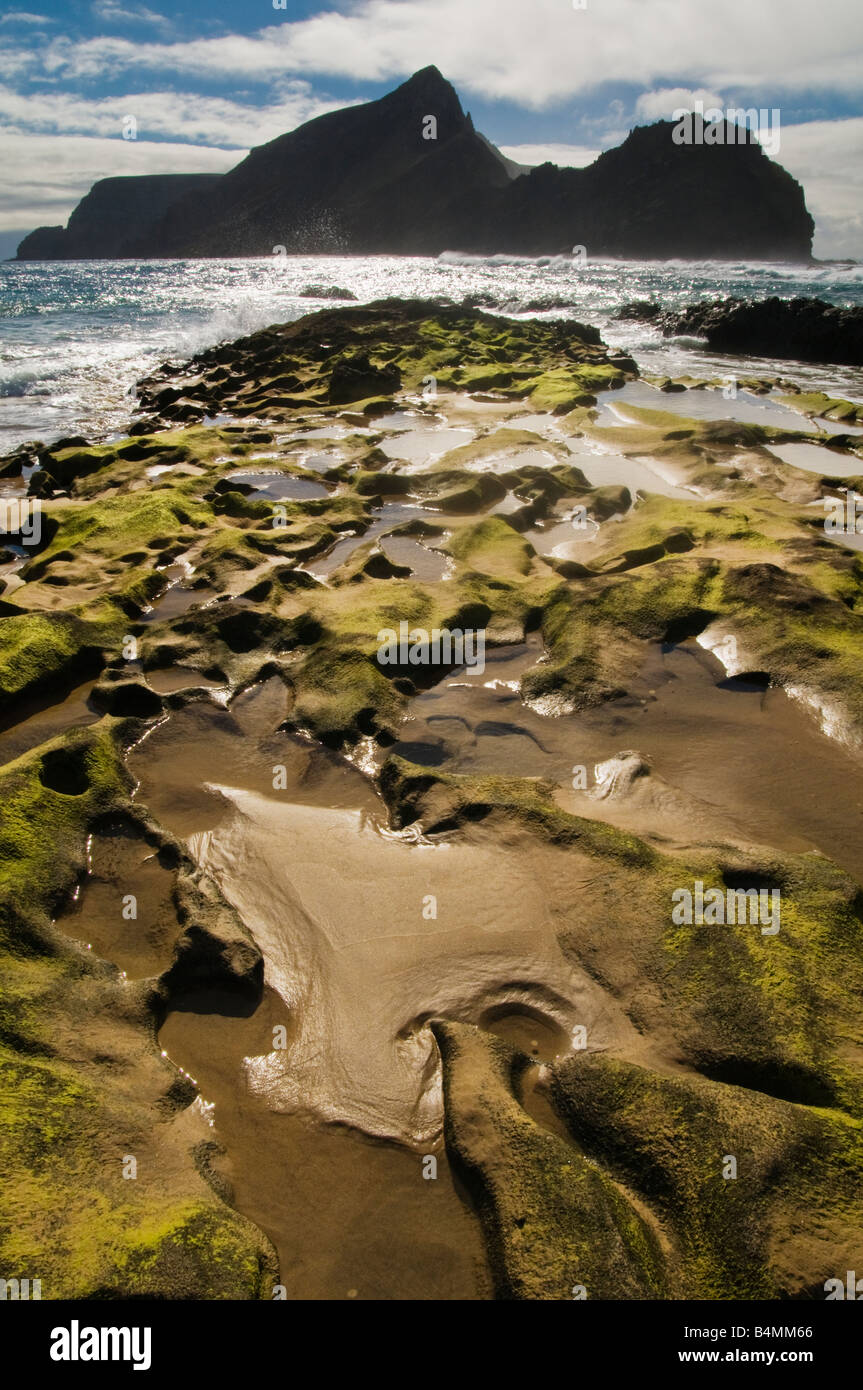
{"x":803,"y":330}
{"x":116,"y":219}
{"x":356,"y":378}
{"x":409,"y":175}
{"x":328,"y":358}
{"x":651,"y":198}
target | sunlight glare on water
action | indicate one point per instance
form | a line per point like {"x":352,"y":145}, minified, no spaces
{"x":75,"y":336}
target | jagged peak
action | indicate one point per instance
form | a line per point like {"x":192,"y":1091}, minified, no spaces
{"x":428,"y":77}
{"x":430,"y":85}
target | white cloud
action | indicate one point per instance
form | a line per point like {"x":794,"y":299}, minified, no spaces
{"x":76,"y":162}
{"x":22,"y":17}
{"x":661,"y":105}
{"x":112,"y":12}
{"x":827,"y":158}
{"x":532,"y":54}
{"x":566,"y":156}
{"x":182,"y":116}
{"x":14,"y":61}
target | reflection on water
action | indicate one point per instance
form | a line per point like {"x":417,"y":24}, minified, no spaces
{"x":815,"y":458}
{"x":77,"y":335}
{"x":732,"y":758}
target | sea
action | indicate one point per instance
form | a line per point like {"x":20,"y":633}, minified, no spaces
{"x":76,"y":336}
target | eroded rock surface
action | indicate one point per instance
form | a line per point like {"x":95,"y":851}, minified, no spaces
{"x":394,"y":911}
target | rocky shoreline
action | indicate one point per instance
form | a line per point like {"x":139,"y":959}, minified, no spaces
{"x":803,"y":330}
{"x":205,"y":604}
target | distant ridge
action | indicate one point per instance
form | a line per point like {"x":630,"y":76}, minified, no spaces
{"x":114,"y":218}
{"x":368,"y":180}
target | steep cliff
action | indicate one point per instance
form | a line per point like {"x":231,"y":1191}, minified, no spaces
{"x":116,"y":219}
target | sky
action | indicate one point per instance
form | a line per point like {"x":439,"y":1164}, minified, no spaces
{"x":543,"y":79}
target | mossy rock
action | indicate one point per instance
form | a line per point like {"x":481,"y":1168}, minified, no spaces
{"x":555,"y":1226}
{"x":83,"y":1081}
{"x":731,"y":1173}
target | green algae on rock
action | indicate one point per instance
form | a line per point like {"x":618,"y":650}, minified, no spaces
{"x":555,"y":1226}
{"x":558,"y":365}
{"x":156,"y":558}
{"x":83,"y":1081}
{"x":729,"y":1170}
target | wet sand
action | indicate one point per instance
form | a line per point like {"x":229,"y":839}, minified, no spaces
{"x":349,"y":1217}
{"x":124,"y":911}
{"x":348,"y":1110}
{"x":458,"y":929}
{"x":43,"y":718}
{"x":729,"y":759}
{"x":325,"y":1138}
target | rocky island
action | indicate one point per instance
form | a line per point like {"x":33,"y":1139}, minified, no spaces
{"x":409,"y":175}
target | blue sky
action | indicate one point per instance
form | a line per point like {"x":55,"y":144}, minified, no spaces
{"x":542,"y":78}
